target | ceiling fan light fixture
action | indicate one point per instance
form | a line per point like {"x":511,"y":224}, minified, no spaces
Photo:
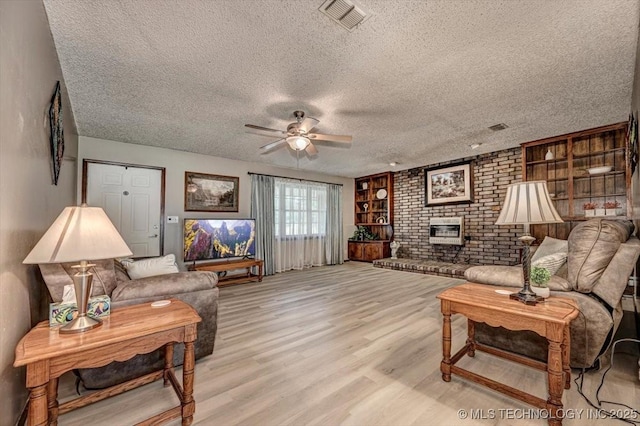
{"x":298,"y":143}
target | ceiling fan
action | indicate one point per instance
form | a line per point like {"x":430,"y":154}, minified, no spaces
{"x":298,"y":135}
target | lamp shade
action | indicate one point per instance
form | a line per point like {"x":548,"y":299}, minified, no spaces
{"x":79,"y":233}
{"x":528,"y":203}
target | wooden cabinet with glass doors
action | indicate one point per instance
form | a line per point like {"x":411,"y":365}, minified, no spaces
{"x":583,"y":169}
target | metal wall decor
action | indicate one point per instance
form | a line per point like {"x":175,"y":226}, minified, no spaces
{"x":57,"y":133}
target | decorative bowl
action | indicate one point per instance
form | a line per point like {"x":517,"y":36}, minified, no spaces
{"x":599,"y":170}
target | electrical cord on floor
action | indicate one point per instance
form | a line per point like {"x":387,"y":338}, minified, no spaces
{"x":600,"y":402}
{"x":579,"y":380}
{"x":455,"y":258}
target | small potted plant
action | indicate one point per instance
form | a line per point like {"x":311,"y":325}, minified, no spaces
{"x":539,"y":278}
{"x":589,"y":209}
{"x":611,"y":208}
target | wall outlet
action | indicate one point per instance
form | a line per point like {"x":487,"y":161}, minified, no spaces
{"x":172,"y":219}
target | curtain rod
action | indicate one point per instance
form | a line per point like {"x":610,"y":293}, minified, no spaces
{"x":301,"y":180}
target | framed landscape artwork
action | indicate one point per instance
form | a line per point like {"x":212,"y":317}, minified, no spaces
{"x":210,"y":193}
{"x":451,"y":184}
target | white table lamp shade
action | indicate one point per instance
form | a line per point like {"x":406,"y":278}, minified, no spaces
{"x":528,"y":203}
{"x":79,"y":233}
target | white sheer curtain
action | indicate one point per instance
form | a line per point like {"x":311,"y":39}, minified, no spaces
{"x":300,"y":224}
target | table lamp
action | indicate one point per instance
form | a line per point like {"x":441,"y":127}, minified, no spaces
{"x":80,"y":234}
{"x":527,"y":203}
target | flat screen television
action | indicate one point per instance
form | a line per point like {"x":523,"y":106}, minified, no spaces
{"x":207,"y":239}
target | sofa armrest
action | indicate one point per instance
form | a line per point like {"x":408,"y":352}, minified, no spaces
{"x":508,"y":276}
{"x":611,"y":285}
{"x":164,"y":286}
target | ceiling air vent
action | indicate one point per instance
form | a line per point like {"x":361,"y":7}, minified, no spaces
{"x":346,"y":13}
{"x":498,"y":127}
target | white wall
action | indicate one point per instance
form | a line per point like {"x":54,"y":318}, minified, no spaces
{"x":29,"y":202}
{"x":177,"y":162}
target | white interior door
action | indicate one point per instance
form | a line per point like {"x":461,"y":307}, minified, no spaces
{"x":131,"y":197}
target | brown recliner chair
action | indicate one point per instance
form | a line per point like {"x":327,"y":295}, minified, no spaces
{"x":601,"y":257}
{"x":198,"y":289}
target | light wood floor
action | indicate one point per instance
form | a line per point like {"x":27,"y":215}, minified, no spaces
{"x":344,"y":345}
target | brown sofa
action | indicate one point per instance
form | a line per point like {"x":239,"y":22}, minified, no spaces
{"x":198,"y":289}
{"x":601,"y":257}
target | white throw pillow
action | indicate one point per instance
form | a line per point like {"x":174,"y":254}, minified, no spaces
{"x":552,"y":262}
{"x":550,"y":246}
{"x":151,"y":267}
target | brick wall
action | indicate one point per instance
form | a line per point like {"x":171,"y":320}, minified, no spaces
{"x":490,"y":243}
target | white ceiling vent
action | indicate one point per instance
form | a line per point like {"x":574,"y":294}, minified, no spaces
{"x":346,"y":13}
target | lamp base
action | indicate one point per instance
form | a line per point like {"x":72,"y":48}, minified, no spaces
{"x":526,"y":298}
{"x":80,"y":325}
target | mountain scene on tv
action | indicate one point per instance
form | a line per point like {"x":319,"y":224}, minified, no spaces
{"x":217,"y":239}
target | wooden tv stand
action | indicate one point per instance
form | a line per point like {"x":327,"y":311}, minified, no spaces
{"x":230,"y":265}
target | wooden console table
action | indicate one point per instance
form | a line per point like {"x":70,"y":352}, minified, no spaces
{"x":481,"y":303}
{"x":230,"y":265}
{"x":127,"y":332}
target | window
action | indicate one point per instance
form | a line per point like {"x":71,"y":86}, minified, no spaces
{"x":300,"y":209}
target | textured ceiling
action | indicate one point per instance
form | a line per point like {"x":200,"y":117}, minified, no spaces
{"x":417,"y":83}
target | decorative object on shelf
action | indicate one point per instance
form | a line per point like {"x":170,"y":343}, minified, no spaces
{"x":394,"y":249}
{"x":611,"y":208}
{"x":365,"y":206}
{"x":57,"y":133}
{"x":381,"y":219}
{"x":214,"y":193}
{"x":381,"y":194}
{"x":549,"y":155}
{"x":540,"y":276}
{"x":527,"y":203}
{"x":589,"y":209}
{"x":363,"y":233}
{"x":453,"y":184}
{"x":365,"y":185}
{"x":599,"y":170}
{"x":77,"y":235}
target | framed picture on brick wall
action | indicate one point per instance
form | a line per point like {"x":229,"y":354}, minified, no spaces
{"x":450,"y":184}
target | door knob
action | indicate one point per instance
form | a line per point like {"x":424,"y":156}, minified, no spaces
{"x":153,"y":236}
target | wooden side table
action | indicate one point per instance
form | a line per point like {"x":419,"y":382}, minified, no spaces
{"x":125,"y":333}
{"x":481,"y":303}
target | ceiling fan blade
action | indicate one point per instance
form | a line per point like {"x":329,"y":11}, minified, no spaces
{"x":331,"y":138}
{"x":307,"y":124}
{"x":273,"y":145}
{"x":265,"y":129}
{"x":311,"y":150}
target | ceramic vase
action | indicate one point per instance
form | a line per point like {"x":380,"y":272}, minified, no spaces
{"x":611,"y":212}
{"x":589,"y":213}
{"x":548,"y":155}
{"x":541,"y":291}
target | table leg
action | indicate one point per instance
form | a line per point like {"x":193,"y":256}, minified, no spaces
{"x":188,"y":404}
{"x":52,"y":401}
{"x":445,"y":365}
{"x":471,"y":338}
{"x":260,"y":272}
{"x":555,"y":376}
{"x":38,"y":415}
{"x":566,"y":356}
{"x":168,"y":363}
